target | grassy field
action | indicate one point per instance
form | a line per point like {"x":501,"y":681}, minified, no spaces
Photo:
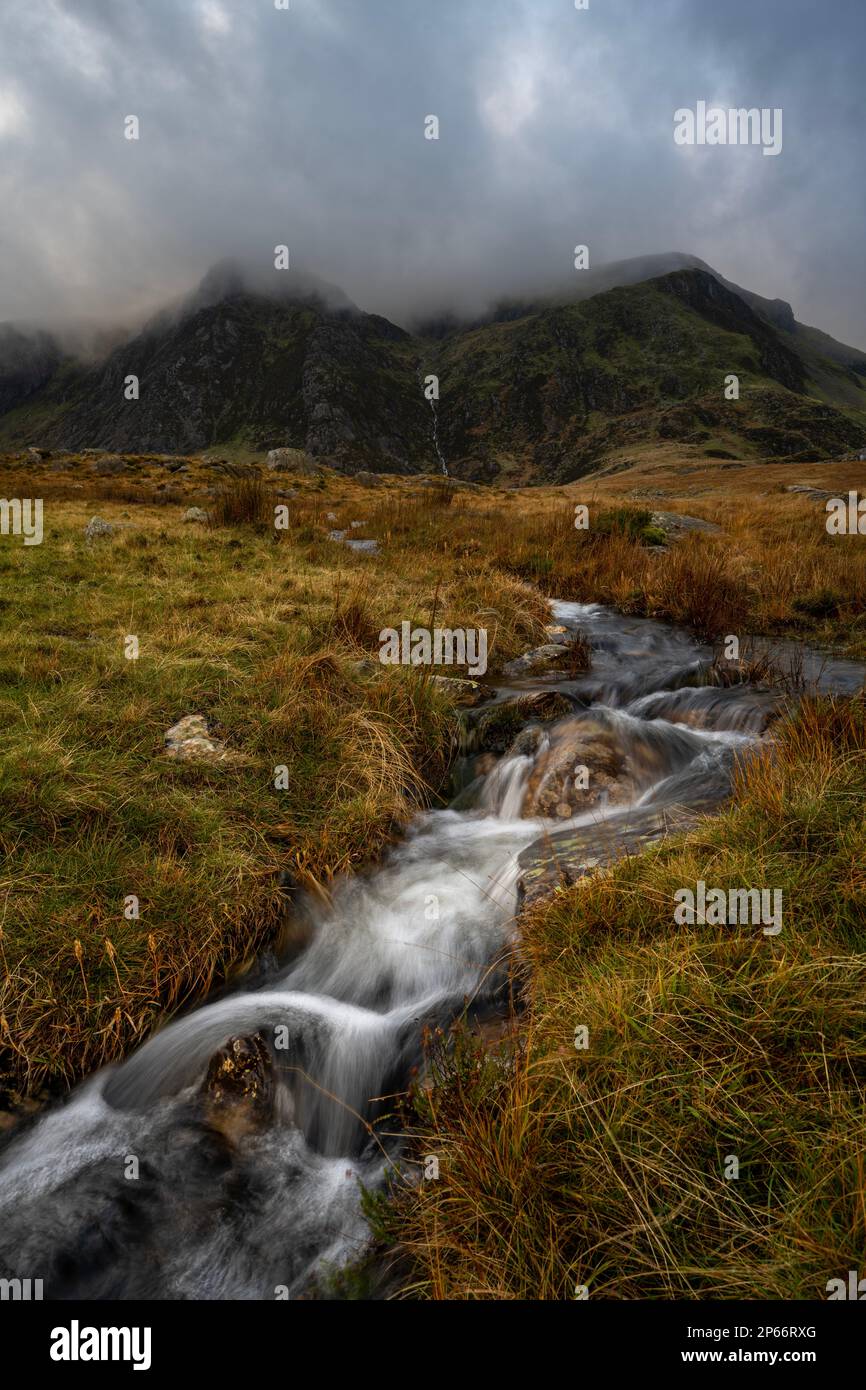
{"x":269,"y":635}
{"x":607,"y":1167}
{"x":266,"y":639}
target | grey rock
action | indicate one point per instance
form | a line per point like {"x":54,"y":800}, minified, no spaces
{"x":463,"y":692}
{"x":97,"y":527}
{"x":190,"y":740}
{"x":195,"y":514}
{"x":815,"y":494}
{"x":369,"y":547}
{"x":365,"y":667}
{"x":540,"y":659}
{"x":674,"y":524}
{"x":562,"y":857}
{"x":291,"y":461}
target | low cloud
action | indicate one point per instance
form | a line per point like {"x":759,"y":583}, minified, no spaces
{"x":305,"y":126}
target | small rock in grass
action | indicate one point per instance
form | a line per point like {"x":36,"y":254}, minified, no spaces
{"x":190,"y":740}
{"x":463,"y":692}
{"x":97,"y":527}
{"x":195,"y":514}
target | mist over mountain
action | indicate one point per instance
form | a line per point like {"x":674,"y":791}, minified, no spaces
{"x":533,"y":390}
{"x":307,"y":127}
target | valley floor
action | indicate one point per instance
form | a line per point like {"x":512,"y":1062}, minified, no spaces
{"x":135,"y":882}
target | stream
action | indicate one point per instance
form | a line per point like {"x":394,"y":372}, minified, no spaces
{"x":128,"y":1189}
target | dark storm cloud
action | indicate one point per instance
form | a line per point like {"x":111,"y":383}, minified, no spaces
{"x":305,"y":127}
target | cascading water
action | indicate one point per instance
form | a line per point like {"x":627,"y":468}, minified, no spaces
{"x":436,"y":445}
{"x":128,"y":1190}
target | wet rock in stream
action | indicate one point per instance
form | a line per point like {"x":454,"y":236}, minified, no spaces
{"x":238,"y":1090}
{"x":563,"y":857}
{"x":602,"y":757}
{"x":496,"y":729}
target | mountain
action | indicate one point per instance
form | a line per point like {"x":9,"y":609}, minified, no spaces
{"x":548,"y":393}
{"x":534,"y":390}
{"x":260,"y":361}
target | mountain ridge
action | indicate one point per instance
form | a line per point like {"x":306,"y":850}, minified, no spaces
{"x":534,"y":391}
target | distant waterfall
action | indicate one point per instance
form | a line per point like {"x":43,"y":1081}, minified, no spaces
{"x":436,"y":445}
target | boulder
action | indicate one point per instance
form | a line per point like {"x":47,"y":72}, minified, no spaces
{"x":675,"y":525}
{"x":97,"y":527}
{"x":621,"y":760}
{"x":291,"y":461}
{"x":368,"y":479}
{"x":195,"y":514}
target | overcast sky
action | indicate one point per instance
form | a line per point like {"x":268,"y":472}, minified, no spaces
{"x":260,"y":126}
